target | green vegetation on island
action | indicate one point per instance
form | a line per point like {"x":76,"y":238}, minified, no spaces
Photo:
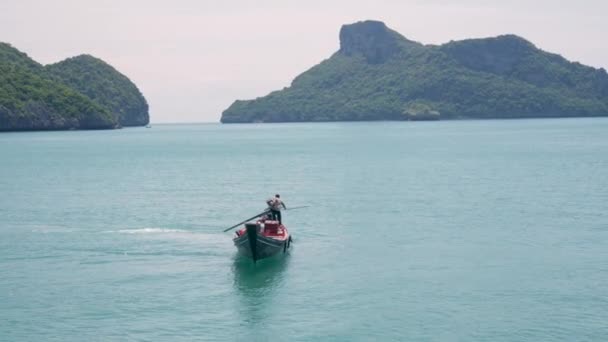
{"x":377,"y":74}
{"x":36,"y":97}
{"x":105,"y":86}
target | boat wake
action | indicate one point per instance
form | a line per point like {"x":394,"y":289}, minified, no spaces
{"x":158,"y":233}
{"x":151,"y":231}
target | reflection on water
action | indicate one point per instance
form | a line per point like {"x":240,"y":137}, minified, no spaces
{"x":261,"y":278}
{"x":257,"y":286}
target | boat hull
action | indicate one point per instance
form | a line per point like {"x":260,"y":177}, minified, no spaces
{"x":256,"y":243}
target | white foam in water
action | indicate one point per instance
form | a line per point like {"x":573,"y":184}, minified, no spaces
{"x":204,"y":240}
{"x":174,"y":233}
{"x":151,"y":231}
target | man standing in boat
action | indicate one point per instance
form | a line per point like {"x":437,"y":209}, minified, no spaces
{"x":275,"y":204}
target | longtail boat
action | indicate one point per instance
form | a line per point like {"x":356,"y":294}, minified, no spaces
{"x":262,"y":239}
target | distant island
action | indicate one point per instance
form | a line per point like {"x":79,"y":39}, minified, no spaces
{"x":377,"y":74}
{"x":82,"y":92}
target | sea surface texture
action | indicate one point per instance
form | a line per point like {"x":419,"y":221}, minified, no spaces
{"x":420,"y":231}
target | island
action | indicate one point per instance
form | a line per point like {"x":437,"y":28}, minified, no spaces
{"x":377,"y":74}
{"x":82,"y":92}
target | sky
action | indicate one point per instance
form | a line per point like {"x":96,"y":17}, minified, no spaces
{"x":192,"y":59}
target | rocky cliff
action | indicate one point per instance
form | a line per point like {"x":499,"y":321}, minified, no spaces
{"x":377,"y":74}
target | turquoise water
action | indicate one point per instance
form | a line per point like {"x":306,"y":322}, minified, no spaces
{"x":428,"y":231}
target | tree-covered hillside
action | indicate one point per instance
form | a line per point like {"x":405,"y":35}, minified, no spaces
{"x":378,"y":74}
{"x":30,"y":100}
{"x":33,"y":97}
{"x":105,"y":86}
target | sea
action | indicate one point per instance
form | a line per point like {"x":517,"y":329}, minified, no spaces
{"x":492,"y":230}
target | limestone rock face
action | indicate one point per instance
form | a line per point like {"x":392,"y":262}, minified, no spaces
{"x":372,"y":39}
{"x":499,"y":55}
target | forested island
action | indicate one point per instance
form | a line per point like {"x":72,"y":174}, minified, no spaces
{"x":82,"y":92}
{"x":377,"y":74}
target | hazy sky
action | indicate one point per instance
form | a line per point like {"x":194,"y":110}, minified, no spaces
{"x":192,"y":59}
